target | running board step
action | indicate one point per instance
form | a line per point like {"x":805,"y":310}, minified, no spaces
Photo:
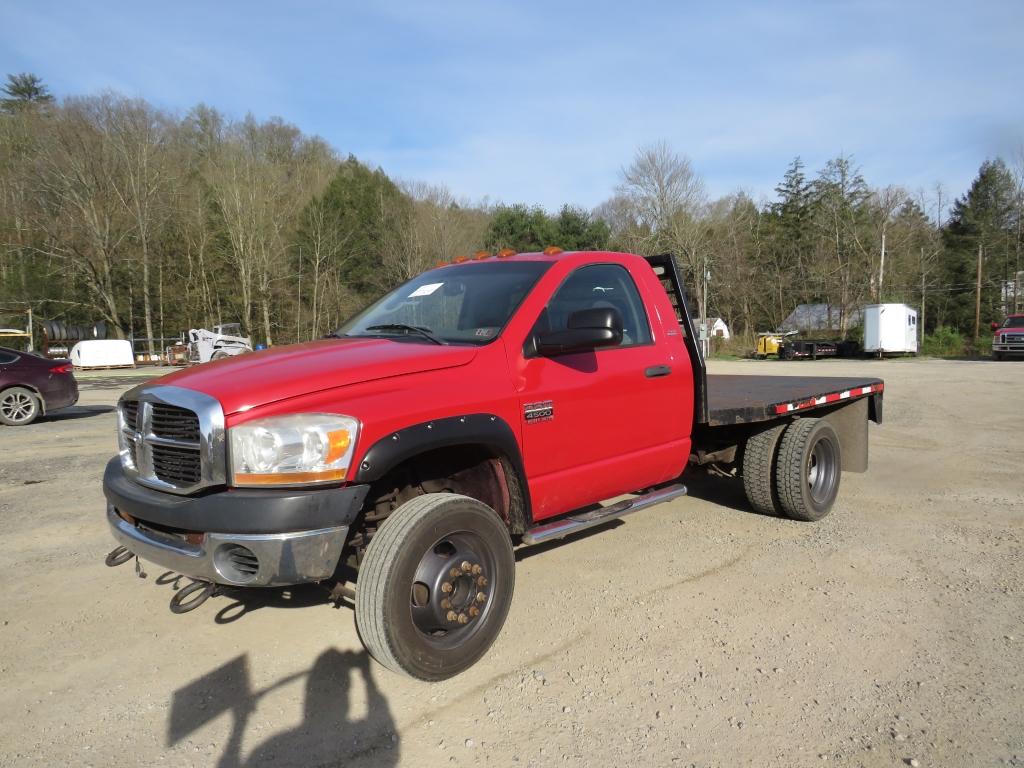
{"x":583,"y":520}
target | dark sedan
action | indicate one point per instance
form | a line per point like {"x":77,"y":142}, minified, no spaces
{"x":31,"y":385}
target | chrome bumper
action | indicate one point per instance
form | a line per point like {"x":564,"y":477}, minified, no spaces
{"x":281,"y":558}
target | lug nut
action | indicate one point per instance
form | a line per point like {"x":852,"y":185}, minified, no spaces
{"x":476,"y":570}
{"x":446,"y":587}
{"x":452,"y":616}
{"x":481,"y":581}
{"x":474,"y":611}
{"x":481,"y":597}
{"x":463,"y":618}
{"x":466,"y":566}
{"x":454,"y":573}
{"x":446,"y":604}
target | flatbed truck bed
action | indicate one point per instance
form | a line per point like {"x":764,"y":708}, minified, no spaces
{"x":746,"y":399}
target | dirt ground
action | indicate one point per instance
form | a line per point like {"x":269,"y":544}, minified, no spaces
{"x":696,"y":633}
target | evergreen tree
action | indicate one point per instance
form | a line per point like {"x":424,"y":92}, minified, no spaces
{"x":24,"y":91}
{"x":981,"y":219}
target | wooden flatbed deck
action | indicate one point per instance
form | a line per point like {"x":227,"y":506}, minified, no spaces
{"x":736,"y":399}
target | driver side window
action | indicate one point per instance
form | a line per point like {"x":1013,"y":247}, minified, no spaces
{"x":596,"y":286}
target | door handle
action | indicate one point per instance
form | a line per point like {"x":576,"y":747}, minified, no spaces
{"x":657,"y":370}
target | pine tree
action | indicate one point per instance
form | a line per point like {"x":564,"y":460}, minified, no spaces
{"x":981,"y":219}
{"x":24,"y":91}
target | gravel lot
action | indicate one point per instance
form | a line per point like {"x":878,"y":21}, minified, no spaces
{"x":695,"y":633}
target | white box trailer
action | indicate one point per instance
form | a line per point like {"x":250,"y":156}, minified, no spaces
{"x":890,"y":329}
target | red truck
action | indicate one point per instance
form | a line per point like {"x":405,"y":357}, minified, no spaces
{"x":498,"y":401}
{"x":1008,"y":337}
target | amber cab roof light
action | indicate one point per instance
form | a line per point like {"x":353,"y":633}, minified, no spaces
{"x":504,"y":253}
{"x":552,"y":250}
{"x":481,"y":255}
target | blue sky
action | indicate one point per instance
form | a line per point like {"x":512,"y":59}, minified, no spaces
{"x":545,"y":102}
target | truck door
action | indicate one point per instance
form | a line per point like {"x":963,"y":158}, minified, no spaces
{"x":603,"y":422}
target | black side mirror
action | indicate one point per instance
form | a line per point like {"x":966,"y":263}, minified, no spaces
{"x":587,"y":329}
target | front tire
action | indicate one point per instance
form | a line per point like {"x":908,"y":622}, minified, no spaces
{"x":997,"y":356}
{"x":18,"y":406}
{"x":435,"y":586}
{"x":808,"y":469}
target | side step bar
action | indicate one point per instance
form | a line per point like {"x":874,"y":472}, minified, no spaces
{"x":583,"y":520}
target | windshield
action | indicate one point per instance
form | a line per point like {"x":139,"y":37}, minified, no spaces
{"x":1013,"y":321}
{"x":464,"y":304}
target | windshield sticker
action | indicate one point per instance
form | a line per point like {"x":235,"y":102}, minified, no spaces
{"x":484,"y":331}
{"x":425,"y":290}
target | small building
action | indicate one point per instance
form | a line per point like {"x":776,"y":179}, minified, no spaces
{"x":890,"y":329}
{"x":718,"y":328}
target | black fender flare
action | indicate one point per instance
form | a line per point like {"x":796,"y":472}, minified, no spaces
{"x":469,"y":429}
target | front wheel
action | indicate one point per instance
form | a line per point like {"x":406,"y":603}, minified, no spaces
{"x":18,"y":406}
{"x":435,"y":586}
{"x":997,"y":356}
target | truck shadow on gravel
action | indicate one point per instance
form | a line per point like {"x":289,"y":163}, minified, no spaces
{"x":723,"y":491}
{"x":327,"y":734}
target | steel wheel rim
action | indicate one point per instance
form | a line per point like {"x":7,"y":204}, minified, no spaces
{"x":821,"y":471}
{"x":446,"y":618}
{"x":18,"y":407}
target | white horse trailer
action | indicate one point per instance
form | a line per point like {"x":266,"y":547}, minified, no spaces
{"x":890,"y":329}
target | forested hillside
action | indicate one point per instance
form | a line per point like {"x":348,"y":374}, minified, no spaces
{"x":113,"y":209}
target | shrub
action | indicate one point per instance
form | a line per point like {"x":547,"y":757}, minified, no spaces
{"x":944,"y":342}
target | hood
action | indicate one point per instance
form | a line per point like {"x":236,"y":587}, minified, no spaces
{"x":1015,"y":327}
{"x":258,"y":378}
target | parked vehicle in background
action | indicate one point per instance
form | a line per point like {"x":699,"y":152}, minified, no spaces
{"x":225,"y":340}
{"x":890,"y":329}
{"x":813,"y":349}
{"x":769,"y":343}
{"x":509,"y":399}
{"x":1008,"y":340}
{"x":31,"y":385}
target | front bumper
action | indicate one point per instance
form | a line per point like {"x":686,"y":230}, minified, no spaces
{"x":248,"y":560}
{"x":242,"y":538}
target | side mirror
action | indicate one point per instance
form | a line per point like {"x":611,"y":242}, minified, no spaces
{"x":587,"y":329}
{"x":995,"y":326}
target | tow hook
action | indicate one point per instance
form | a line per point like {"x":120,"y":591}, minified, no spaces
{"x":191,"y":597}
{"x":118,"y":556}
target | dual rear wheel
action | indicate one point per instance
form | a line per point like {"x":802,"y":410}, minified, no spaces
{"x":793,"y":469}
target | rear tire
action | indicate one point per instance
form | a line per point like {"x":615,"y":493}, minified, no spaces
{"x":759,"y":469}
{"x":808,"y":469}
{"x":789,"y":353}
{"x":18,"y":406}
{"x":419,"y":609}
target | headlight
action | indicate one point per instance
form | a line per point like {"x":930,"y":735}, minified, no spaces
{"x":288,"y":450}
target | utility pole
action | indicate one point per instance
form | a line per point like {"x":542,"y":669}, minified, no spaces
{"x":881,"y":268}
{"x":922,"y":297}
{"x":977,"y":300}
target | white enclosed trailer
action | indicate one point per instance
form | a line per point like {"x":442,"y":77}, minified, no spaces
{"x":890,"y":329}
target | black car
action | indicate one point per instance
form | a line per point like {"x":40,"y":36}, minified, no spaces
{"x":32,"y":385}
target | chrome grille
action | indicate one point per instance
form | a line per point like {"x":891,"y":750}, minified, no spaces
{"x":175,"y":423}
{"x":172,"y":438}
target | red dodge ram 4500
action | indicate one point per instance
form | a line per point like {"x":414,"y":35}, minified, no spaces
{"x":488,"y":403}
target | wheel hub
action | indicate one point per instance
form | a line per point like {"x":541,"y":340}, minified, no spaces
{"x":451,"y":588}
